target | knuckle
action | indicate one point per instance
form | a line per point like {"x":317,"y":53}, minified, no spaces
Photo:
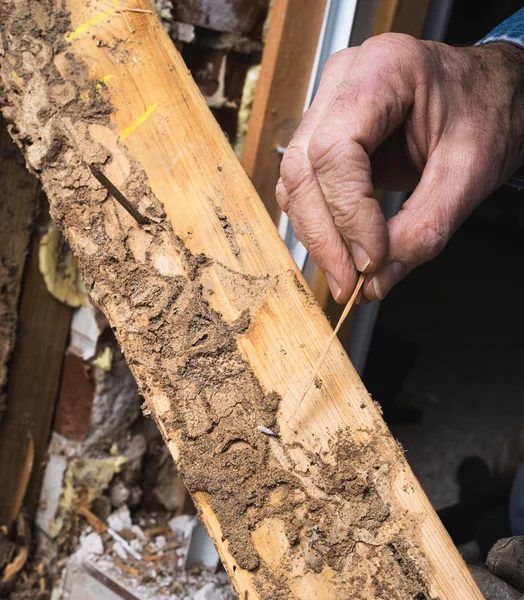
{"x":337,"y":61}
{"x":295,"y":169}
{"x":393,"y":45}
{"x":344,"y":214}
{"x":325,"y":150}
{"x":282,"y":197}
{"x":429,"y":241}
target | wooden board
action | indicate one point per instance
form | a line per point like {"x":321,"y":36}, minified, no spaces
{"x":217,"y":325}
{"x":401,"y":16}
{"x":289,"y":53}
{"x":18,"y":206}
{"x":34,"y":377}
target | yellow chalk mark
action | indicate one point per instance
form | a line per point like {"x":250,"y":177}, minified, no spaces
{"x":85,"y":26}
{"x":139,"y":121}
{"x":104,"y":81}
{"x":84,"y":96}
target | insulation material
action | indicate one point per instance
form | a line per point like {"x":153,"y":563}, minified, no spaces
{"x":248,"y":95}
{"x":59,"y":269}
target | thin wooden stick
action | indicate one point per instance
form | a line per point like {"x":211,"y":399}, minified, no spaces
{"x":343,"y":316}
{"x":136,"y":10}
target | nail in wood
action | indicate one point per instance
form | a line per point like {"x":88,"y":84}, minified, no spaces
{"x":119,"y":197}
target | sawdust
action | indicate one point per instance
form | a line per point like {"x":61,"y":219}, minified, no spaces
{"x":227,"y":228}
{"x":338,"y":511}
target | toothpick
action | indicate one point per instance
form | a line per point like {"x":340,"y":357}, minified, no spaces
{"x":343,"y":316}
{"x":136,"y":10}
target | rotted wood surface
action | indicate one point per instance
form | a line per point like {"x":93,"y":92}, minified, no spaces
{"x":215,"y":321}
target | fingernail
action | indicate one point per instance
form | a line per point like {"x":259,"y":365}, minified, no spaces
{"x":386,"y":278}
{"x":360,"y":257}
{"x":336,"y":290}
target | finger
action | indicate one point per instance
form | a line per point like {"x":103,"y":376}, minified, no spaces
{"x":392,"y":167}
{"x":300,"y":195}
{"x":450,"y":187}
{"x":371,"y":104}
{"x":323,"y":241}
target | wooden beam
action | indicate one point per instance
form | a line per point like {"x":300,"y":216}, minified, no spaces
{"x":34,"y":377}
{"x":401,"y":16}
{"x":33,"y":328}
{"x":18,"y":207}
{"x":289,"y":53}
{"x":214,"y":318}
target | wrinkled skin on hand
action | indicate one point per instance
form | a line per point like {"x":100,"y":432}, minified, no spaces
{"x":400,"y":114}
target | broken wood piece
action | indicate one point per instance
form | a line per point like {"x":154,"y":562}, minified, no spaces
{"x":216,"y":322}
{"x":97,"y":524}
{"x":23,"y":481}
{"x":131,"y":570}
{"x":23,"y":538}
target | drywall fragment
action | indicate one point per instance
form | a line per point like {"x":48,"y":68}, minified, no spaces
{"x":182,"y":525}
{"x":92,"y":544}
{"x":183,"y":32}
{"x":210,"y":591}
{"x":120,"y":519}
{"x":59,"y":269}
{"x":119,"y":494}
{"x":51,"y":492}
{"x":120,"y":551}
{"x":85,"y":330}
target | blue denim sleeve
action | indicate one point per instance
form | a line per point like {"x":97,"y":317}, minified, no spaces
{"x":512,"y":32}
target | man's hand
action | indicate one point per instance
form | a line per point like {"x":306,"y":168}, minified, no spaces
{"x":400,"y":114}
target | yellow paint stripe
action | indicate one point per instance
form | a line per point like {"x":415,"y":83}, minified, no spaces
{"x":85,"y":26}
{"x":139,"y":121}
{"x":104,"y":81}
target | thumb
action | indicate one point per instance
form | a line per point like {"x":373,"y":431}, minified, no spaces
{"x":450,"y":188}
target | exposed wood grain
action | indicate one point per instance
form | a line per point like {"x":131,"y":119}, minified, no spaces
{"x":401,"y":16}
{"x":34,"y":376}
{"x":18,"y":205}
{"x":289,"y":53}
{"x":216,"y":323}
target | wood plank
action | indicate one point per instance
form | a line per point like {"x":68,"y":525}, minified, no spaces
{"x":216,"y":322}
{"x":34,"y":377}
{"x":401,"y":16}
{"x":289,"y":53}
{"x":18,"y":206}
